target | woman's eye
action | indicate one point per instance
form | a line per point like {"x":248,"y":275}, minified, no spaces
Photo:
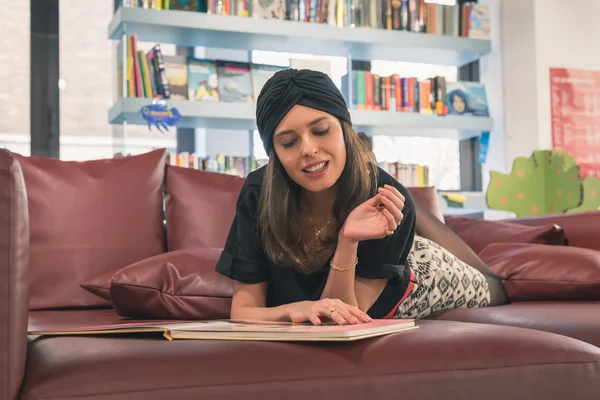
{"x":289,"y":144}
{"x":321,"y":133}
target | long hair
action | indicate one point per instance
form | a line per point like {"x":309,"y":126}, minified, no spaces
{"x":279,"y":208}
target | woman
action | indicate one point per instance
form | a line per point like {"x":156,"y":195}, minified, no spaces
{"x":322,"y":233}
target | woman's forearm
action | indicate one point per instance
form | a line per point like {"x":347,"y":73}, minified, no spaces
{"x":340,"y":284}
{"x":261,"y":313}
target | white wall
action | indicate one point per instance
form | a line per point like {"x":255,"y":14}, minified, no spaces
{"x":538,"y":35}
{"x":491,"y":73}
{"x":519,"y":63}
{"x":567,"y":36}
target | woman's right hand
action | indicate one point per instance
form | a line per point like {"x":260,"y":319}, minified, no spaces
{"x":332,"y":309}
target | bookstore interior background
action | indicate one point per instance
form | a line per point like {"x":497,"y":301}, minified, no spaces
{"x":88,"y":86}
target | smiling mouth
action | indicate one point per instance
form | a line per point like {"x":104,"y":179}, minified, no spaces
{"x":316,"y":168}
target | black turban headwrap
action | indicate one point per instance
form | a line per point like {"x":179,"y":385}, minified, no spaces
{"x":289,"y":87}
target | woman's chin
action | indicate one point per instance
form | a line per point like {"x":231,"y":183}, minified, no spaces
{"x":318,"y":186}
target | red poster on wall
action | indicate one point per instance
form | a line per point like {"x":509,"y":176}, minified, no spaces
{"x":575,"y":112}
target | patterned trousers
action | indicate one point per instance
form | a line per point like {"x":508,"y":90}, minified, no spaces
{"x":442,"y":282}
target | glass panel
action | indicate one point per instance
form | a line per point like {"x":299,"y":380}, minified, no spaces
{"x":88,"y":82}
{"x":14,"y":75}
{"x":442,"y":156}
{"x":339,"y":65}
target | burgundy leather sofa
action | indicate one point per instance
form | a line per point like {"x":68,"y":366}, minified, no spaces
{"x":61,"y":223}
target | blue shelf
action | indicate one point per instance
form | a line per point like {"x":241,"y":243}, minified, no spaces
{"x":186,"y":28}
{"x":221,"y":115}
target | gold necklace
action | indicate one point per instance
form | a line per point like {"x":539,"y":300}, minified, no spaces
{"x":318,"y":231}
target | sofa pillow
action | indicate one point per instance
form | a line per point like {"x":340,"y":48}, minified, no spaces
{"x":577,"y":226}
{"x":99,"y":285}
{"x":181,"y":284}
{"x":200,"y":207}
{"x":537,"y":272}
{"x":478,"y":233}
{"x":88,"y":218}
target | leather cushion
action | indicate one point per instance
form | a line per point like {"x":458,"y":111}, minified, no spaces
{"x":537,"y":272}
{"x":478,"y":233}
{"x":14,"y":271}
{"x":200,"y":207}
{"x":581,"y":228}
{"x":579,"y":320}
{"x":440,"y":359}
{"x":87,"y":218}
{"x":181,"y":284}
{"x":428,"y":197}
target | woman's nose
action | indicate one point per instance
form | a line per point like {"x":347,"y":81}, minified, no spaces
{"x":309,"y":147}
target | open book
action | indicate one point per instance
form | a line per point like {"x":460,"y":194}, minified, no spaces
{"x":247,"y":330}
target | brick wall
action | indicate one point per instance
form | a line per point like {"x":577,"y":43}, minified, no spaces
{"x":14,"y":68}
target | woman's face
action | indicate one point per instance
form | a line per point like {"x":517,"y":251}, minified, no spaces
{"x":310,"y":145}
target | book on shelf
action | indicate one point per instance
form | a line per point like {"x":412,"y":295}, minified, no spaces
{"x":467,"y":98}
{"x":235,"y":82}
{"x":464,"y":19}
{"x":202,"y":82}
{"x":246,"y":330}
{"x":411,"y":175}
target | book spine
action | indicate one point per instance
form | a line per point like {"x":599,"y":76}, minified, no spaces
{"x":163,"y":74}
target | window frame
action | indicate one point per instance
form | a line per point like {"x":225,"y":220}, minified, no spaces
{"x":470,"y":168}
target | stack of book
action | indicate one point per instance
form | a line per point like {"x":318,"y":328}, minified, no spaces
{"x":231,"y":165}
{"x":410,"y":175}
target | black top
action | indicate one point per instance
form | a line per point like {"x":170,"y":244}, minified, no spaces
{"x":243,"y":258}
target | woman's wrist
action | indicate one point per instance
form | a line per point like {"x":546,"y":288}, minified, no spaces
{"x":345,"y":252}
{"x":346,"y":241}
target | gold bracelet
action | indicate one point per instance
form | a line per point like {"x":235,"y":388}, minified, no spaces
{"x":344,"y":268}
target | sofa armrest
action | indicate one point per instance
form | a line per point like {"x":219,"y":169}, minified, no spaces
{"x":582,"y":229}
{"x":14,"y":267}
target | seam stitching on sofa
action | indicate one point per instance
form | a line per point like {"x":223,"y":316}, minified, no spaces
{"x":8,"y":281}
{"x":172,"y":294}
{"x":591,"y":283}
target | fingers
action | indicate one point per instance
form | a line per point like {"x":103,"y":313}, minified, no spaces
{"x":342,"y":313}
{"x":334,"y":313}
{"x":393,"y":200}
{"x":356,"y":313}
{"x":375,"y":201}
{"x":392,"y":225}
{"x":346,"y":315}
{"x":396,"y":192}
{"x":393,"y":209}
{"x":314,"y":318}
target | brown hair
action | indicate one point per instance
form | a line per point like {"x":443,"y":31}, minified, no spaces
{"x":278,"y":219}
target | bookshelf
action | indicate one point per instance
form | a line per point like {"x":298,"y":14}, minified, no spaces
{"x":186,"y":28}
{"x":222,"y":115}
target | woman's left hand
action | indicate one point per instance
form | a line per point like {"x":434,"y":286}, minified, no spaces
{"x":372,"y":221}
